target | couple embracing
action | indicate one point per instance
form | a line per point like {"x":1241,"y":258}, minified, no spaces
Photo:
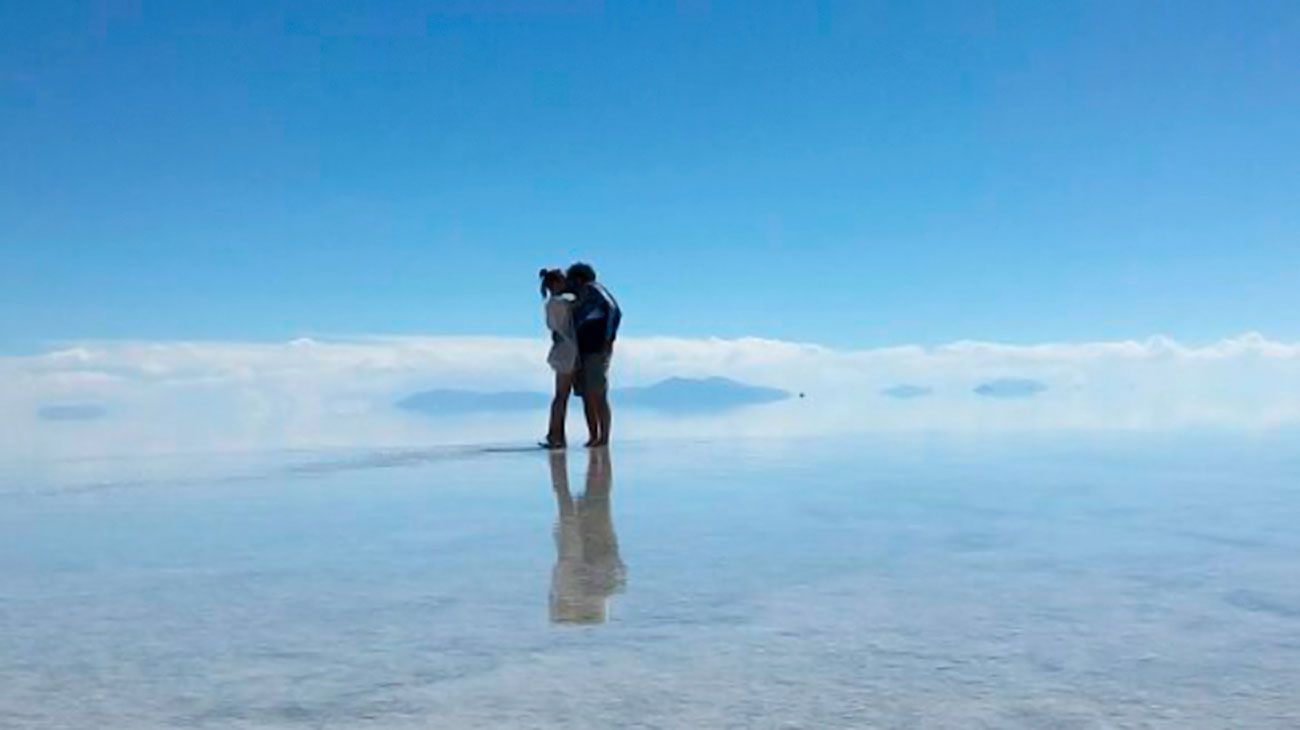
{"x":583,"y":318}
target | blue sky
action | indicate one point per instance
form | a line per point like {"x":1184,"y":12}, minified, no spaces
{"x":851,"y":173}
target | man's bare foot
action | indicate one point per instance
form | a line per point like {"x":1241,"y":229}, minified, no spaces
{"x":551,"y":444}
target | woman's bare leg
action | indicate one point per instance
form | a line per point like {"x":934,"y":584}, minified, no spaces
{"x":559,"y":409}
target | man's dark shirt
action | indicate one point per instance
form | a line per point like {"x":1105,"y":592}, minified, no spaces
{"x":596,"y":318}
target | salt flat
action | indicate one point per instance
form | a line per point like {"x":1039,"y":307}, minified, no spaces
{"x":1072,"y":581}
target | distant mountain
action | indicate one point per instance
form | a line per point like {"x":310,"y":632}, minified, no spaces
{"x":707,"y":394}
{"x":1011,"y":388}
{"x":678,"y":395}
{"x":907,"y":392}
{"x":460,"y":402}
{"x":71,"y":412}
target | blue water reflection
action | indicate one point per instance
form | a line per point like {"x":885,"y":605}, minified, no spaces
{"x":588,"y":569}
{"x":1045,"y":581}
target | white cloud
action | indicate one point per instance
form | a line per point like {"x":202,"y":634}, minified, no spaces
{"x":309,"y":392}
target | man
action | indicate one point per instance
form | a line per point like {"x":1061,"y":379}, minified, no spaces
{"x":596,"y":317}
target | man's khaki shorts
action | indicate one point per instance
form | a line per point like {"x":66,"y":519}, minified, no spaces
{"x":592,"y":375}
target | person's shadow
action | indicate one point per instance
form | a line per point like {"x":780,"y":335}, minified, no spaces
{"x":588,"y":569}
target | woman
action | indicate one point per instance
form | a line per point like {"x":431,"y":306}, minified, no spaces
{"x":563,"y":358}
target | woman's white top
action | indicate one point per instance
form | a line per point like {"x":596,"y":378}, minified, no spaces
{"x":564,"y":345}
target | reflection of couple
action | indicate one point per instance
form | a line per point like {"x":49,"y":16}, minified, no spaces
{"x":583,"y":318}
{"x":588,"y":569}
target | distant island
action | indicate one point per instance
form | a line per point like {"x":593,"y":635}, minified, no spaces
{"x":1010,"y":388}
{"x":675,"y":395}
{"x":705,"y":394}
{"x":907,"y":392}
{"x":457,"y":402}
{"x":71,"y":412}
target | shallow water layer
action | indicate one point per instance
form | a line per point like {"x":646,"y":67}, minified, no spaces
{"x":1037,"y":582}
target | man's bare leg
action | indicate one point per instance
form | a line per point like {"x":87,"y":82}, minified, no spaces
{"x":605,"y":416}
{"x":592,"y":412}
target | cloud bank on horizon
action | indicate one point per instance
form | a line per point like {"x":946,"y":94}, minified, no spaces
{"x":161,"y":396}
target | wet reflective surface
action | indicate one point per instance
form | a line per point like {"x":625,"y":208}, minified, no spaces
{"x":1068,"y":581}
{"x":588,"y":569}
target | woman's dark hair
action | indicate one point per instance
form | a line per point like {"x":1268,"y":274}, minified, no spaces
{"x":549,"y":277}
